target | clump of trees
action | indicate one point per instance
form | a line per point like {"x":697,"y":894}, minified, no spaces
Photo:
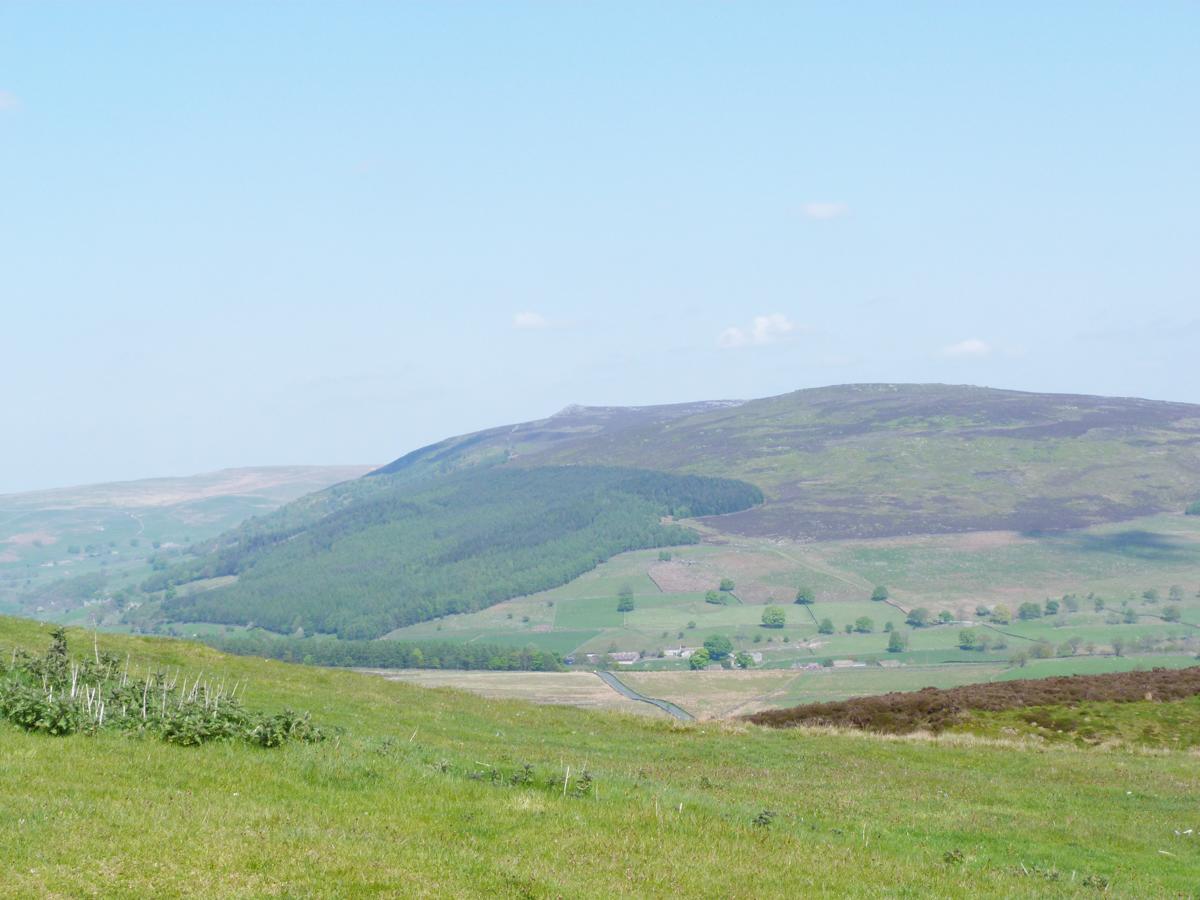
{"x":625,"y":599}
{"x":919,"y":617}
{"x":1029,"y":610}
{"x":774,"y":617}
{"x":718,"y":647}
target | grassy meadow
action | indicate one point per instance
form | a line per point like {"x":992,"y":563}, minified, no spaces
{"x":425,"y":793}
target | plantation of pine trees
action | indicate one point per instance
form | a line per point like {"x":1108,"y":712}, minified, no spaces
{"x":390,"y":553}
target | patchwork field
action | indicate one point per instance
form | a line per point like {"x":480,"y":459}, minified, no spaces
{"x":1122,"y":580}
{"x":581,"y":689}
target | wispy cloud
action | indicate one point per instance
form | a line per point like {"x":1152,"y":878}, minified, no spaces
{"x":825,"y":209}
{"x":769,"y":329}
{"x":8,"y":100}
{"x":530,"y":321}
{"x":971,"y":348}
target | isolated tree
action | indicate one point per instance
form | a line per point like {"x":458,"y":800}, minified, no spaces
{"x":982,"y":612}
{"x":888,"y":626}
{"x":1001,"y":614}
{"x":726,"y":585}
{"x":625,"y":604}
{"x":700,"y":659}
{"x":806,"y":595}
{"x":714,"y":597}
{"x":718,"y":646}
{"x":1175,"y":594}
{"x":880,"y":594}
{"x":945,"y":617}
{"x":1172,"y":613}
{"x":1118,"y":646}
{"x":625,"y":593}
{"x":896,"y":642}
{"x":1071,"y":602}
{"x":1098,"y":603}
{"x":744,"y":660}
{"x":1150,"y":596}
{"x":826,"y":626}
{"x":1129,"y":617}
{"x":1020,"y":658}
{"x":774,"y":617}
{"x":1043,"y":650}
{"x":1029,"y":610}
{"x":664,"y":555}
{"x":864,"y":625}
{"x":968,"y":639}
{"x":1052,"y":607}
{"x":918,"y":618}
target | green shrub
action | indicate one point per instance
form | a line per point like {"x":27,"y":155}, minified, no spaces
{"x":774,"y":617}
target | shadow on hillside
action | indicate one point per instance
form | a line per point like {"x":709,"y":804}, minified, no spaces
{"x":1137,"y":543}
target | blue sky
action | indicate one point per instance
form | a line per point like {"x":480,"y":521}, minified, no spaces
{"x":255,"y":233}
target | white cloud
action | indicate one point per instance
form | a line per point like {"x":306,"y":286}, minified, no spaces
{"x":530,"y":320}
{"x":824,"y":209}
{"x":8,"y":100}
{"x":971,"y":348}
{"x":762,"y":330}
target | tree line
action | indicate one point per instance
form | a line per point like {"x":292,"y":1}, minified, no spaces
{"x":390,"y":654}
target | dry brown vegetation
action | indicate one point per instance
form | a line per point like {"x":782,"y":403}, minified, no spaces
{"x":934,"y":709}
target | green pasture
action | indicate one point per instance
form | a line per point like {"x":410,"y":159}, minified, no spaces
{"x":403,"y":802}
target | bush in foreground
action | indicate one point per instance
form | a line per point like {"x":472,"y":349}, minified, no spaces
{"x":57,"y":695}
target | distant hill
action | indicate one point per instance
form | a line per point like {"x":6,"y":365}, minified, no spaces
{"x":63,"y":546}
{"x":875,"y":460}
{"x":472,"y":520}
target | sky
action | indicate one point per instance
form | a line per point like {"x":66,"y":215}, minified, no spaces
{"x":279,"y":233}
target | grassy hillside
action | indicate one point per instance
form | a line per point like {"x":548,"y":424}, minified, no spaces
{"x":407,"y":552}
{"x":885,"y":459}
{"x":1101,"y":590}
{"x":427,"y":793}
{"x":63,"y":548}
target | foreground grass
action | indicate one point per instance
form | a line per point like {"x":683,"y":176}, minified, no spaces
{"x":404,"y":803}
{"x":1174,"y":725}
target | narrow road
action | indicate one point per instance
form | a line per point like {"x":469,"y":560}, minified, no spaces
{"x":665,"y":705}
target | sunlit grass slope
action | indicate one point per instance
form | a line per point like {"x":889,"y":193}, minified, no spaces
{"x":425,"y":793}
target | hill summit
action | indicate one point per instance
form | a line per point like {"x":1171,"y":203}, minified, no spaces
{"x":875,"y":460}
